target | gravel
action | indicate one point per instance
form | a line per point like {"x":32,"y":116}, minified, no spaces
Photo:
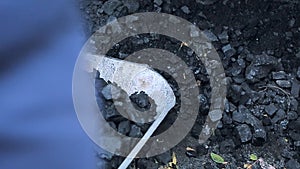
{"x":259,"y":47}
{"x":185,"y":9}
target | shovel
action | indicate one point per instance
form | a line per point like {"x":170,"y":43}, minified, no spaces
{"x":135,"y":77}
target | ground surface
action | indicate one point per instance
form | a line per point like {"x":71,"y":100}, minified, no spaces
{"x":259,"y":44}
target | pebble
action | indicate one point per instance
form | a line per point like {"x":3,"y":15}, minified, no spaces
{"x":124,"y":127}
{"x":203,"y":99}
{"x":295,"y":88}
{"x":292,"y":115}
{"x":271,"y":109}
{"x":238,"y":117}
{"x":227,"y":106}
{"x":253,"y":121}
{"x":259,"y":136}
{"x":141,"y":100}
{"x":266,"y":121}
{"x":244,"y":133}
{"x":122,"y":55}
{"x":110,"y":114}
{"x":284,"y":83}
{"x":228,"y":50}
{"x":132,"y":5}
{"x":292,"y":164}
{"x":279,"y":75}
{"x":264,"y":59}
{"x":135,"y":131}
{"x":294,"y":104}
{"x":185,"y":9}
{"x":110,"y":92}
{"x":238,"y":79}
{"x":223,"y":37}
{"x":106,"y":92}
{"x":226,"y":119}
{"x":215,"y":115}
{"x":292,"y":22}
{"x":110,"y":6}
{"x":112,"y":125}
{"x":111,"y":19}
{"x":236,"y":70}
{"x":255,"y":73}
{"x":280,"y":115}
{"x":241,"y":62}
{"x":284,"y":123}
{"x":158,"y":2}
{"x":260,"y":67}
{"x":295,"y":136}
{"x":210,"y":36}
{"x":298,"y":71}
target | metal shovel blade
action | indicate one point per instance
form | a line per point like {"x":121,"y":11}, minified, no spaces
{"x":135,"y":77}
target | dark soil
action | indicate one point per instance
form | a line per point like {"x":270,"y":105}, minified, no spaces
{"x":259,"y":44}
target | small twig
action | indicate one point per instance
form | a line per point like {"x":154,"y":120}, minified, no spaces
{"x":280,"y":89}
{"x":275,"y":87}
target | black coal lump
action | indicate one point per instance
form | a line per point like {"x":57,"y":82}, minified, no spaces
{"x":280,"y":115}
{"x":124,"y":127}
{"x":135,"y":131}
{"x":271,"y":109}
{"x":244,"y":133}
{"x":141,"y":100}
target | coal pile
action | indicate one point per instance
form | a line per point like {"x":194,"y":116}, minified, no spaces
{"x":259,"y":45}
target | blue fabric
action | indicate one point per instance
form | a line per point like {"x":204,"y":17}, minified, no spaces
{"x":38,"y":124}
